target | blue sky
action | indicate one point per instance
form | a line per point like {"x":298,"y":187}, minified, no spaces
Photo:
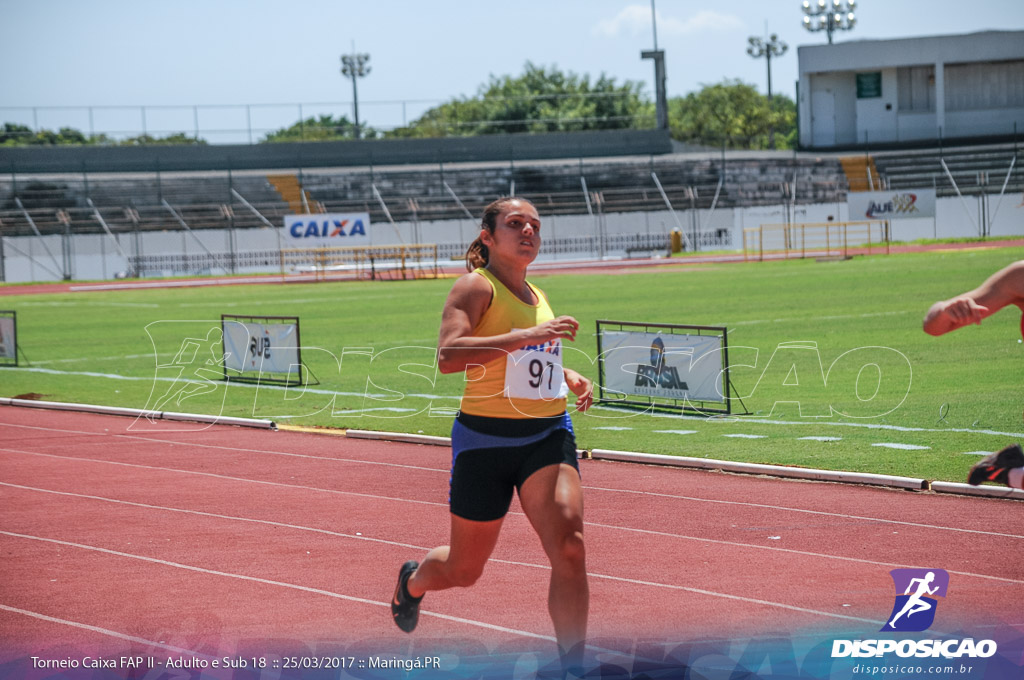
{"x":188,"y":53}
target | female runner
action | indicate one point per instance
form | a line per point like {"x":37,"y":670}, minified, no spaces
{"x":513,"y":431}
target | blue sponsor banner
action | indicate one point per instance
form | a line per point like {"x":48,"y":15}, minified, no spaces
{"x":327,"y":230}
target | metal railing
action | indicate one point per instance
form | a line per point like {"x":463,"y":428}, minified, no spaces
{"x":820,"y":240}
{"x":415,"y":261}
{"x":383,"y":262}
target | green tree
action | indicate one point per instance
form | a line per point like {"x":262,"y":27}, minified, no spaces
{"x":67,"y":135}
{"x":21,"y":135}
{"x":324,"y":128}
{"x":735,"y":114}
{"x":176,"y":139}
{"x":14,"y":134}
{"x":539,"y":100}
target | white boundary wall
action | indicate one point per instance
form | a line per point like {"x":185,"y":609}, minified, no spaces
{"x":96,"y":258}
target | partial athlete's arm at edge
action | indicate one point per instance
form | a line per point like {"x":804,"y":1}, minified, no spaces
{"x":1005,"y":287}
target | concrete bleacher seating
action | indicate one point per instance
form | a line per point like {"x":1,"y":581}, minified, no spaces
{"x":975,"y":169}
{"x":558,"y":188}
{"x":419,"y":193}
{"x":207,"y":199}
{"x":136,"y":202}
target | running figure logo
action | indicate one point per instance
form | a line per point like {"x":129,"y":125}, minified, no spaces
{"x":193,"y":366}
{"x":914,"y":610}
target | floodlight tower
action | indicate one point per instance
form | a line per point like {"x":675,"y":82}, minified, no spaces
{"x":354,"y":66}
{"x":772,"y":48}
{"x":829,"y":16}
{"x":661,"y":99}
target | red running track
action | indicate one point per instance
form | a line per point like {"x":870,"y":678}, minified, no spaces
{"x":121,"y":536}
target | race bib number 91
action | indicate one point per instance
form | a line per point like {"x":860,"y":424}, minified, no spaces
{"x":535,"y":372}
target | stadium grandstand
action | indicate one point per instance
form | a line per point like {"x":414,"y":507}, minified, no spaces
{"x":188,"y":222}
{"x":101,"y":212}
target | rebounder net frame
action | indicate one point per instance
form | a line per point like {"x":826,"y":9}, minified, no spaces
{"x":260,"y":350}
{"x":8,"y":338}
{"x":655,"y":381}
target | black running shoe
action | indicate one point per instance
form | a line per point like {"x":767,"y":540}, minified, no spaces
{"x":996,"y":467}
{"x":405,"y":609}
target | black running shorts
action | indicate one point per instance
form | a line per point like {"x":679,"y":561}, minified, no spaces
{"x":492,"y":457}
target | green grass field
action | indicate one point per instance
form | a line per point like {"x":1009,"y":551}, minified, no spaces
{"x":371,"y":344}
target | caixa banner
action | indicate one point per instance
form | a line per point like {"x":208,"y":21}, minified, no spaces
{"x":891,"y":205}
{"x":327,"y":230}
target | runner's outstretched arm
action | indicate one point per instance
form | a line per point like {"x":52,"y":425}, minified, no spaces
{"x":1005,"y":287}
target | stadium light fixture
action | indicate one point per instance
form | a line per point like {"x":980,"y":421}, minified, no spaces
{"x":773,"y":47}
{"x":661,"y":98}
{"x":354,"y":66}
{"x":829,"y":16}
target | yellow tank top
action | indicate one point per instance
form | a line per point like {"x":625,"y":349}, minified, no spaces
{"x":490,"y":389}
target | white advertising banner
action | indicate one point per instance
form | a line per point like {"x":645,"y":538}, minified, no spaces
{"x":663,"y":365}
{"x":891,"y":205}
{"x":327,"y":230}
{"x":261,"y":347}
{"x":8,"y":338}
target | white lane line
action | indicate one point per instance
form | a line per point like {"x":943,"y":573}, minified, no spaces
{"x":89,"y":303}
{"x":227,"y":477}
{"x":902,"y":447}
{"x":434,"y":397}
{"x":830,"y":318}
{"x":594,"y":488}
{"x":815,"y":423}
{"x":807,"y":553}
{"x":239,"y":449}
{"x":269,"y":582}
{"x":471,"y":622}
{"x":747,"y":600}
{"x":745,"y":436}
{"x":54,"y":429}
{"x":820,"y":439}
{"x":360,"y":537}
{"x":808,"y":512}
{"x":104,"y":631}
{"x":675,"y":432}
{"x":81,"y":359}
{"x":349,"y":412}
{"x":712,"y":593}
{"x":214,"y":515}
{"x":234,"y":385}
